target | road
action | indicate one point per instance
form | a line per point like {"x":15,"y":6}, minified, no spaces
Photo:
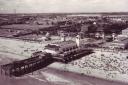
{"x":51,"y":76}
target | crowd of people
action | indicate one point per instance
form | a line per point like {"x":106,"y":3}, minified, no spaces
{"x":107,"y":61}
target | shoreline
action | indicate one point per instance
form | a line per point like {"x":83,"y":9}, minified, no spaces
{"x":114,"y":75}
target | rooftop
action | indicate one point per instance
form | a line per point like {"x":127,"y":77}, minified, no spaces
{"x":122,"y":40}
{"x":24,"y":26}
{"x":64,"y":43}
{"x":125,"y":29}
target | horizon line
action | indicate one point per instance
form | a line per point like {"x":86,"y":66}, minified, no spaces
{"x":68,"y":13}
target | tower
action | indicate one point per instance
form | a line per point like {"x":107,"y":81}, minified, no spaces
{"x":63,"y":37}
{"x":78,"y":40}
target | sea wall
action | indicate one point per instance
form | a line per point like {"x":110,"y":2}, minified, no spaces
{"x":103,"y":64}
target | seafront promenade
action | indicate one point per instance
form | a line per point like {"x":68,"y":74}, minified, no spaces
{"x":103,"y":63}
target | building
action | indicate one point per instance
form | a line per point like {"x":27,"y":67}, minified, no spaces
{"x":116,"y":17}
{"x":57,"y":47}
{"x":120,"y":43}
{"x":125,"y":32}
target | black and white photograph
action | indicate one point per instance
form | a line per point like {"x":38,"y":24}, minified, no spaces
{"x":63,"y":42}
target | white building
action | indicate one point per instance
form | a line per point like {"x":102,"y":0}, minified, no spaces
{"x":125,"y":32}
{"x":121,"y":43}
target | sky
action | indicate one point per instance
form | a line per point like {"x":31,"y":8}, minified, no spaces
{"x":62,"y":6}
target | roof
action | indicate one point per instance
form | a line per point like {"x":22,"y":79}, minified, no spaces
{"x":121,"y":41}
{"x":24,"y":26}
{"x":51,"y":46}
{"x":125,"y":29}
{"x":100,"y":29}
{"x":64,"y":44}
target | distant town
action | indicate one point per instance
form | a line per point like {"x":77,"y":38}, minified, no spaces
{"x":111,"y":27}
